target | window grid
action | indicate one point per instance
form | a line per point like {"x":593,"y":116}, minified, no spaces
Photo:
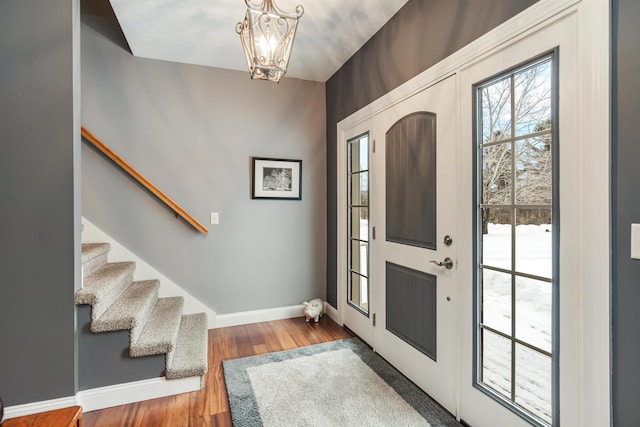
{"x":509,"y":142}
{"x":352,"y":209}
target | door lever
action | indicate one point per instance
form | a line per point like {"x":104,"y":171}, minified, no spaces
{"x":448,"y":263}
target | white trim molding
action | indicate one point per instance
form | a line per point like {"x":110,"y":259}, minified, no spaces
{"x":332,"y":312}
{"x":594,"y":126}
{"x":256,"y":316}
{"x":36,"y":407}
{"x":137,"y":391}
{"x":109,"y":396}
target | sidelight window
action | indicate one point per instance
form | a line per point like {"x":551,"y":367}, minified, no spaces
{"x":516,"y":240}
{"x":358,"y":232}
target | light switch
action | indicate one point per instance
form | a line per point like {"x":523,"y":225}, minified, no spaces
{"x":635,"y":241}
{"x":214,"y":218}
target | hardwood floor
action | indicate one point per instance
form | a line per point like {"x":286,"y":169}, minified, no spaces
{"x":209,"y":407}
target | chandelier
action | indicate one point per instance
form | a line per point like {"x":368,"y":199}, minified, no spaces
{"x":267,"y":35}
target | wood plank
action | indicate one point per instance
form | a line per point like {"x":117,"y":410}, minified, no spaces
{"x":209,"y":406}
{"x":66,"y":417}
{"x":111,"y":417}
{"x":177,"y":409}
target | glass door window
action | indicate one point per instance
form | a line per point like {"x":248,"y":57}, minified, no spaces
{"x":517,"y":240}
{"x":358,"y":228}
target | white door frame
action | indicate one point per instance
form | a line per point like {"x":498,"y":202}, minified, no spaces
{"x":593,"y":322}
{"x":359,"y":324}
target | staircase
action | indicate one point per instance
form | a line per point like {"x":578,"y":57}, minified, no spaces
{"x":156,"y":325}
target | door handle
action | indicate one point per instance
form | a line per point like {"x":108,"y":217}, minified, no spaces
{"x":448,"y":263}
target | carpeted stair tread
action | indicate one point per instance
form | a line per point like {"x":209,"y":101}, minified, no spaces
{"x":156,"y":325}
{"x":131,"y":310}
{"x":91,"y":250}
{"x":103,"y":287}
{"x":189,"y":358}
{"x":94,"y":256}
{"x":100,"y":283}
{"x":160,"y":332}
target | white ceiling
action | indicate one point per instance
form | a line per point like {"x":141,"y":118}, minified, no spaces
{"x":203,"y":32}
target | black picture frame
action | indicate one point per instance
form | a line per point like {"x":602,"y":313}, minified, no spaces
{"x":276,"y":179}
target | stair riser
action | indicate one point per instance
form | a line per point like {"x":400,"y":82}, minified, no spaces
{"x":189,"y":358}
{"x":136,"y":330}
{"x":171,"y":351}
{"x":161,"y":330}
{"x":92,"y":265}
{"x":101,"y":306}
{"x":135,"y":322}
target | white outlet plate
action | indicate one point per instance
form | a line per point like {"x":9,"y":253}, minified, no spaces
{"x":215,"y":219}
{"x":635,"y":241}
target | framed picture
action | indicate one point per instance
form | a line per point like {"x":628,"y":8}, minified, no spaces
{"x":276,"y":179}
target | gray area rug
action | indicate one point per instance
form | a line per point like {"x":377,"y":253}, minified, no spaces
{"x":339,"y":383}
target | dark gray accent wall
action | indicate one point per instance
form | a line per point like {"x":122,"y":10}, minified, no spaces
{"x":192,"y":131}
{"x":420,"y":35}
{"x":39,"y":222}
{"x":625,"y":97}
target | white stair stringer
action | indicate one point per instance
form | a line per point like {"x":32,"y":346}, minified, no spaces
{"x":91,"y":234}
{"x":156,"y":325}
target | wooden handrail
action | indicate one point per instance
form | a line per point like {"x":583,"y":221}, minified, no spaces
{"x":142,"y":180}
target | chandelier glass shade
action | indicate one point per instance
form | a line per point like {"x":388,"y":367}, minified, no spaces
{"x":267,"y":35}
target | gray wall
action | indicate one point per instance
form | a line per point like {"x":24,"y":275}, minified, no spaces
{"x":421,"y":34}
{"x":104,"y":358}
{"x":192,"y":131}
{"x":39,"y":224}
{"x":625,"y":211}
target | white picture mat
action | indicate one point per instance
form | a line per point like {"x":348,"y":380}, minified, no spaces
{"x":258,"y":176}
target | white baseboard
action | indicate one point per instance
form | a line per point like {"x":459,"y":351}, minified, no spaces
{"x":255,"y":316}
{"x":36,"y":407}
{"x":143,"y":271}
{"x":332,"y":313}
{"x":114,"y":395}
{"x":122,"y":394}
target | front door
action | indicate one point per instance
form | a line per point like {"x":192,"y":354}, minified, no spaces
{"x":414,"y":208}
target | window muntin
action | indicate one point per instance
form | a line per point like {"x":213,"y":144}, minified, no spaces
{"x":516,"y":228}
{"x":358,"y":228}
